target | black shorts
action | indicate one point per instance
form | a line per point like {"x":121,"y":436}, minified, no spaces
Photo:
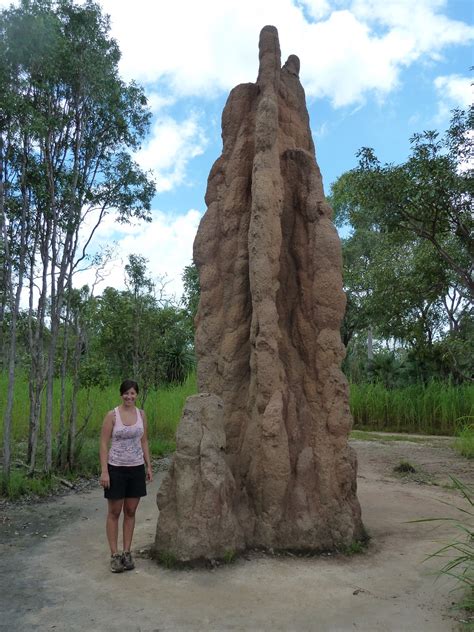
{"x":126,"y":482}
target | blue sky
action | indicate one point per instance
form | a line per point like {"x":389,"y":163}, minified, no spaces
{"x":374,"y":72}
{"x":382,"y":115}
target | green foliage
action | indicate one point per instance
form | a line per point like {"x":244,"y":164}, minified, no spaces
{"x":136,"y":278}
{"x":384,"y":369}
{"x":68,"y":127}
{"x":229,"y":556}
{"x":176,"y":355}
{"x":86,"y":462}
{"x":167,"y":559}
{"x":20,"y":405}
{"x":163,"y":407}
{"x":20,"y":484}
{"x":429,"y":196}
{"x":364,"y":435}
{"x":192,"y":290}
{"x":404,"y":467}
{"x":408,"y":259}
{"x":355,"y":548}
{"x":166,"y":405}
{"x":431,"y":409}
{"x":403,"y":367}
{"x":161,"y":447}
{"x":460,"y":551}
{"x":93,"y":374}
{"x":464,"y":442}
{"x":139,"y":337}
{"x":60,"y":85}
{"x":456,"y":349}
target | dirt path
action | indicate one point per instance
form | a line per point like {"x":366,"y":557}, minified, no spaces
{"x":54,"y":572}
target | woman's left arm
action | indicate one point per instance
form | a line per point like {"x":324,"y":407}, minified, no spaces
{"x":146,"y":449}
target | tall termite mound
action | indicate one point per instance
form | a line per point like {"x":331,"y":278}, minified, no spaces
{"x":267,"y":339}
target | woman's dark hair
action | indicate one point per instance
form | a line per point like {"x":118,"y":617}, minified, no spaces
{"x":127,"y":385}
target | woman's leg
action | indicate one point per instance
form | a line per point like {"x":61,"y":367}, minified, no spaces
{"x":129,"y":508}
{"x":113,"y":515}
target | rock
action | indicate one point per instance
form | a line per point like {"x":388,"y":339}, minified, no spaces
{"x":267,"y":327}
{"x":196,"y":499}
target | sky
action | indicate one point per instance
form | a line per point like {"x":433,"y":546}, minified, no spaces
{"x":374,"y":72}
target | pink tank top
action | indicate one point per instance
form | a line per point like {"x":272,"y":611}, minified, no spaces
{"x":126,"y":448}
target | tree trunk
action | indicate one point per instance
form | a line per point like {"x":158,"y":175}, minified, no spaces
{"x":75,"y":389}
{"x":370,"y":350}
{"x":7,"y":418}
{"x":15,"y":298}
{"x":62,"y":447}
{"x":36,"y":342}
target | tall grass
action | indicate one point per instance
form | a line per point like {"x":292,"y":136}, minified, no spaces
{"x":464,"y":443}
{"x":458,"y":555}
{"x":162,"y":407}
{"x":435,"y":409}
{"x":432,"y":409}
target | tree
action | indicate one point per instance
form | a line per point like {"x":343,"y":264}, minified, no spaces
{"x":141,"y":289}
{"x":192,"y":292}
{"x":430,"y":195}
{"x":408,"y":259}
{"x":142,"y":336}
{"x":68,"y":125}
{"x":78,"y":327}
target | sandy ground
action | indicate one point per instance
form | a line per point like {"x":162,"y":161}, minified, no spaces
{"x":54,"y":565}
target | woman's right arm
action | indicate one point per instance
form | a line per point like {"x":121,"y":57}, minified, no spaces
{"x":105,"y":435}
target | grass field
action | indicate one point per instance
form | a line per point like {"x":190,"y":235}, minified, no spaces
{"x":163,"y":411}
{"x":438,"y":409}
{"x":162,"y":407}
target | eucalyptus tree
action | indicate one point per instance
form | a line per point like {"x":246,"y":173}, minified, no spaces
{"x":430,"y":196}
{"x":141,"y":289}
{"x":191,"y":293}
{"x":141,"y":333}
{"x":78,"y":329}
{"x":76,"y":122}
{"x":408,"y":258}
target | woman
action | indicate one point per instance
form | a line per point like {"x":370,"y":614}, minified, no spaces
{"x":123,"y":471}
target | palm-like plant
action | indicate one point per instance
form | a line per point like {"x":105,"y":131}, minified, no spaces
{"x":459,"y":552}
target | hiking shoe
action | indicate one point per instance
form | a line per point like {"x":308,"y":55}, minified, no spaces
{"x":127,"y":561}
{"x":116,"y":565}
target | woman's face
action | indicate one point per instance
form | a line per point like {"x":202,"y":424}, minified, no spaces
{"x":129,"y":397}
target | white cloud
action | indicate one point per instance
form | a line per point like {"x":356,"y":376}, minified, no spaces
{"x":321,"y":130}
{"x":359,"y":63}
{"x":158,"y":102}
{"x":204,"y":48}
{"x":167,"y":243}
{"x":454,"y":91}
{"x":171,"y":145}
{"x":316,"y":9}
{"x":357,"y":47}
{"x":455,"y":88}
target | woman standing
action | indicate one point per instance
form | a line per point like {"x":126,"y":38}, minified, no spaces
{"x":125,"y":468}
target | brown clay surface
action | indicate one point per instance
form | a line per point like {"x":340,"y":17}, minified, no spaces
{"x":61,"y":582}
{"x":268,"y":338}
